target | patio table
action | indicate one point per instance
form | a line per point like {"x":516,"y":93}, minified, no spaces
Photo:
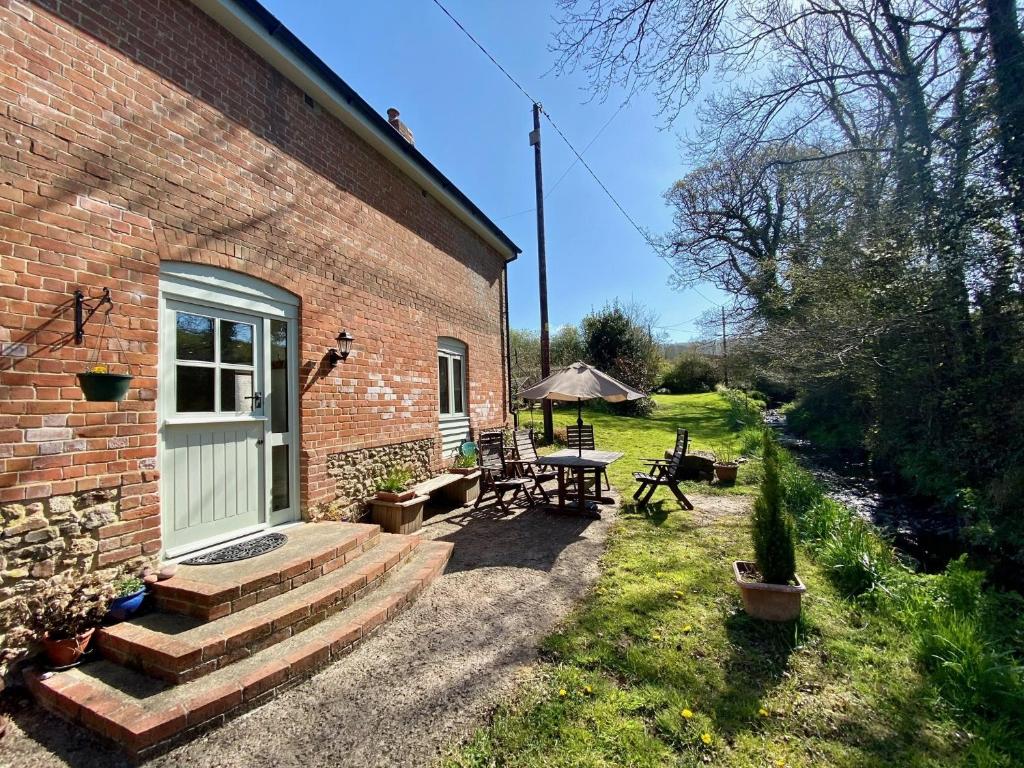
{"x":572,"y":466}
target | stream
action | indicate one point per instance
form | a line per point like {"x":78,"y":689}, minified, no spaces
{"x":918,"y":529}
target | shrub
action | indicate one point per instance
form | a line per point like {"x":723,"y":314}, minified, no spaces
{"x":773,"y":532}
{"x":744,"y":411}
{"x":692,"y":373}
{"x":67,"y":606}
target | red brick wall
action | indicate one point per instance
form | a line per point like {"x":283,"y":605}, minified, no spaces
{"x":137,"y":132}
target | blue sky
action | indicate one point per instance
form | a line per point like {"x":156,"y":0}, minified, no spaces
{"x":472,"y":123}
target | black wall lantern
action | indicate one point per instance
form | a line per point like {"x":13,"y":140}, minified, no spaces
{"x":334,"y":355}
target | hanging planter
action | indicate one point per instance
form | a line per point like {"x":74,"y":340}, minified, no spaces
{"x":100,"y":386}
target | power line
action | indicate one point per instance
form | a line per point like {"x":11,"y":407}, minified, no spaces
{"x":485,"y":52}
{"x":572,"y":165}
{"x":643,"y":233}
{"x":579,"y":155}
{"x":589,"y":145}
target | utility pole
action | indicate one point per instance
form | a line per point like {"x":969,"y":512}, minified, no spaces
{"x":542,"y":269}
{"x":725,"y":351}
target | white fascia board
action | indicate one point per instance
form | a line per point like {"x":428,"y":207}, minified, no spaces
{"x":229,"y":15}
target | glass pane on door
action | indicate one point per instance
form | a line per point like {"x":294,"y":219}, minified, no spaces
{"x":236,"y":342}
{"x":236,"y":391}
{"x":194,"y":337}
{"x":278,"y":376}
{"x":195,"y":389}
{"x":279,"y":488}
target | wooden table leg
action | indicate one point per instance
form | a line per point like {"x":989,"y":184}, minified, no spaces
{"x":581,"y":489}
{"x":561,"y":488}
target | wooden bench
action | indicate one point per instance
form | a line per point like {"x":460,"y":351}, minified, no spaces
{"x":454,"y":487}
{"x":407,"y":516}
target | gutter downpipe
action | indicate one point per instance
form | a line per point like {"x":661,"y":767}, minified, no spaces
{"x":508,"y":345}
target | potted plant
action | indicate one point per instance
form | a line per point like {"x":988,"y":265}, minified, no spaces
{"x":129,"y":592}
{"x":726,"y":465}
{"x":98,"y":384}
{"x":465,"y":460}
{"x":770,"y":587}
{"x":65,"y":613}
{"x":394,"y":486}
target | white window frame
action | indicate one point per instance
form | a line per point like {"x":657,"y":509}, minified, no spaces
{"x":449,"y":349}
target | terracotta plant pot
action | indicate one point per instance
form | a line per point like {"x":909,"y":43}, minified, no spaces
{"x":726,"y":473}
{"x":104,"y":387}
{"x":393,"y":496}
{"x":64,"y":653}
{"x":770,"y":602}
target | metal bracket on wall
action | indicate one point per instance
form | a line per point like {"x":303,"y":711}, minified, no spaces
{"x":81,"y":305}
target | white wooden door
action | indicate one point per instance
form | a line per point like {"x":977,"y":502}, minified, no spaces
{"x":213,"y":402}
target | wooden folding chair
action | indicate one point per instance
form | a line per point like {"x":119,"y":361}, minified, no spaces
{"x":526,"y":461}
{"x":495,"y":477}
{"x":663,"y":472}
{"x":583,"y":437}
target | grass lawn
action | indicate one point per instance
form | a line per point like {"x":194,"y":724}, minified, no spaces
{"x":648,"y":438}
{"x":660,"y":666}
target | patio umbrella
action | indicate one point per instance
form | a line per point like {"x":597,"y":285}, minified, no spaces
{"x":580,"y":382}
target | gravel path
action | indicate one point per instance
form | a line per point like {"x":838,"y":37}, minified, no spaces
{"x":425,"y":681}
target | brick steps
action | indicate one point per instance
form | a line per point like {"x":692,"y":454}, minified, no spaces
{"x":178,"y":648}
{"x":146,"y":716}
{"x":213,"y":591}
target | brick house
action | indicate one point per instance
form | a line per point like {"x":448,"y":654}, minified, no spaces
{"x":243,"y":206}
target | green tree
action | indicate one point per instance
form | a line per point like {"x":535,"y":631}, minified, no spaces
{"x":567,"y":346}
{"x":772,"y":527}
{"x":692,"y":372}
{"x":618,"y":345}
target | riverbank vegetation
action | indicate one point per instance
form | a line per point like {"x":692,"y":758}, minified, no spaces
{"x":967,"y":638}
{"x":858,"y":191}
{"x":660,"y":665}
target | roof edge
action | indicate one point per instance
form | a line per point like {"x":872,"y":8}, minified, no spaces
{"x":260,"y":30}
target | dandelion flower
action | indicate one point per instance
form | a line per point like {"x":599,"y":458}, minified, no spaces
{"x":687,"y":714}
{"x":706,"y":738}
{"x":656,"y":636}
{"x":687,"y":628}
{"x":588,"y":689}
{"x":762,"y":712}
{"x":562,"y":692}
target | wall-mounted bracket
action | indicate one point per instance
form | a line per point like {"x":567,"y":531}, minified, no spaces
{"x":81,"y":305}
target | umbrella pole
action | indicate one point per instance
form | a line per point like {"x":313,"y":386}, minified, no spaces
{"x":579,"y":423}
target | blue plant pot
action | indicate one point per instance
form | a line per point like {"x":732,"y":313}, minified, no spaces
{"x":123,"y":608}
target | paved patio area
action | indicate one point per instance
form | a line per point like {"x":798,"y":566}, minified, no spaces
{"x":425,"y":681}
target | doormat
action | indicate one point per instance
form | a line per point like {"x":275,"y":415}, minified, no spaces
{"x":241,"y":551}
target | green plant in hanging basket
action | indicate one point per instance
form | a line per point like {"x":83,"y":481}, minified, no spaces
{"x":98,"y":384}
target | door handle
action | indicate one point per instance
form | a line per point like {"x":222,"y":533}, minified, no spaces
{"x":260,"y":441}
{"x":257,"y":399}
